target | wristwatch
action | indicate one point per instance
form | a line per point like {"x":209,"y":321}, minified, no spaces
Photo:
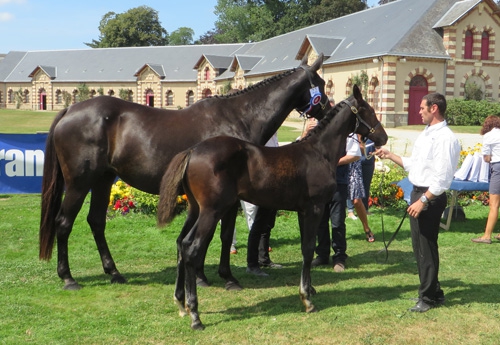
{"x":424,"y":199}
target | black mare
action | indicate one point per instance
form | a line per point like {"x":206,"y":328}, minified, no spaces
{"x":300,"y":177}
{"x":94,"y":141}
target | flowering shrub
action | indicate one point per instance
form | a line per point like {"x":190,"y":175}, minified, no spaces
{"x":384,"y":191}
{"x":124,"y":198}
{"x":121,"y":198}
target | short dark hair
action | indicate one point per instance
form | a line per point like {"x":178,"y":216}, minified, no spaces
{"x":437,"y":99}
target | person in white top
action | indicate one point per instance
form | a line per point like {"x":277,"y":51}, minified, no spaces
{"x":431,"y":167}
{"x":491,"y":154}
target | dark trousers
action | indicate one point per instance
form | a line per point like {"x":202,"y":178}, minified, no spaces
{"x":424,"y":236}
{"x":335,"y":212}
{"x":367,"y":169}
{"x":258,"y":237}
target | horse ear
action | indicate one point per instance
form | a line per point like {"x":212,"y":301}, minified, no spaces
{"x":304,"y":60}
{"x":318,"y":63}
{"x":357,"y":93}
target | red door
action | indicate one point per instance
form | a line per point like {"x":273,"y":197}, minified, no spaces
{"x":418,"y":89}
{"x":150,"y":100}
{"x":43,"y":101}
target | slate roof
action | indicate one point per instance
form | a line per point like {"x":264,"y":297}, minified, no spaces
{"x":400,"y":28}
{"x":111,"y":64}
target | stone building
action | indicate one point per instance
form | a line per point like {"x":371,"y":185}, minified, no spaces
{"x":397,"y":52}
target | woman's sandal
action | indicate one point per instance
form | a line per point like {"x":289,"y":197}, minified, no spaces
{"x":369,"y":236}
{"x":497,"y":237}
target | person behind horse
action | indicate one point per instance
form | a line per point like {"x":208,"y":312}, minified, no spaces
{"x":260,"y":221}
{"x":359,"y":188}
{"x":431,"y":167}
{"x":491,"y":154}
{"x":335,"y":210}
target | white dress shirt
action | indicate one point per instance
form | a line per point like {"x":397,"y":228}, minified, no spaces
{"x":491,"y":145}
{"x":434,"y":159}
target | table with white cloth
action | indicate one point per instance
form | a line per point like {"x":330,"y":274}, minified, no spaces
{"x":456,"y":186}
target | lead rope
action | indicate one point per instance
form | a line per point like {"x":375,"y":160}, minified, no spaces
{"x":386,"y":244}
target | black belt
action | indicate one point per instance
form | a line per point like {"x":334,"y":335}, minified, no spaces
{"x":419,"y":189}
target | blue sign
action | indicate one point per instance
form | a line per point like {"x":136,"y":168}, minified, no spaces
{"x":21,"y":163}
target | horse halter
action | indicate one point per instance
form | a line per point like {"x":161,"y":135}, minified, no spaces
{"x":359,"y":119}
{"x":315,"y":96}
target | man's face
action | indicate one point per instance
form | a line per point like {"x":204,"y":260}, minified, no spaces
{"x":426,"y":112}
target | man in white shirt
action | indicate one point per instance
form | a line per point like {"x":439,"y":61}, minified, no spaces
{"x":431,"y":167}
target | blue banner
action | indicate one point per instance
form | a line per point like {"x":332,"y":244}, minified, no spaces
{"x":21,"y":163}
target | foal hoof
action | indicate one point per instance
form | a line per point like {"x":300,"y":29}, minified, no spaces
{"x":197,"y":326}
{"x":233,"y":286}
{"x":118,"y":279}
{"x":202,"y":283}
{"x":73,"y":286}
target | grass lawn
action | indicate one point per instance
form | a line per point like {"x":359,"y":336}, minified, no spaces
{"x":366,"y":304}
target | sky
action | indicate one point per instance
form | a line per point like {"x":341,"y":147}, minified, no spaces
{"x":28,"y":25}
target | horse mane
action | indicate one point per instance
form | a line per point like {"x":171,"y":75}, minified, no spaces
{"x":260,"y":84}
{"x":323,"y":122}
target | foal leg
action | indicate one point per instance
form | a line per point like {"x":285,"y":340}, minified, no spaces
{"x":308,"y":225}
{"x":226,"y":235}
{"x":97,"y":220}
{"x":194,"y":247}
{"x":180,"y":282}
{"x":65,"y":219}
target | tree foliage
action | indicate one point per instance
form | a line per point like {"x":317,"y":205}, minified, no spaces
{"x":181,"y":36}
{"x":256,"y":20}
{"x":137,"y":27}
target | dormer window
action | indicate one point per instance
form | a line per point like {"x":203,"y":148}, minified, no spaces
{"x":207,"y":74}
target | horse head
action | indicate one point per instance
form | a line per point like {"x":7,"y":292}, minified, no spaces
{"x":367,"y":123}
{"x":316,"y":102}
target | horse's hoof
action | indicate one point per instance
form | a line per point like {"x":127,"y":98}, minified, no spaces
{"x":73,"y":286}
{"x":312,"y":310}
{"x":233,"y":286}
{"x":197,"y":326}
{"x":202,"y":283}
{"x":118,"y":279}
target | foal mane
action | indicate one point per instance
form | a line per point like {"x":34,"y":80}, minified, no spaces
{"x":260,"y":84}
{"x":324,"y":121}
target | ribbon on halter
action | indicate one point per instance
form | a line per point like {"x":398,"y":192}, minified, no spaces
{"x":315,"y":98}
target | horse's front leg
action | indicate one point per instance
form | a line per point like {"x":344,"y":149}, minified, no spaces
{"x":226,"y":236}
{"x":308,"y":224}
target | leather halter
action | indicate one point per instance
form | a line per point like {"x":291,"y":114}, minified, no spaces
{"x":306,"y":108}
{"x":359,"y":119}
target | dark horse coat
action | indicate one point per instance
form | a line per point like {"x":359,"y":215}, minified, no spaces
{"x":94,"y":141}
{"x":299,"y":177}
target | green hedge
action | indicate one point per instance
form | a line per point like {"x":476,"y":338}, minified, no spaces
{"x":470,"y":113}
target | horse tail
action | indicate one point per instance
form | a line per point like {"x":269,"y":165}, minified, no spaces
{"x":52,"y":192}
{"x":171,"y":187}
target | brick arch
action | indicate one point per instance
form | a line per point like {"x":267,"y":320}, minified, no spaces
{"x":488,"y":91}
{"x":424,"y":72}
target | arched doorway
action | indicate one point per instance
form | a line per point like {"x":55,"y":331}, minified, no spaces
{"x":207,"y":93}
{"x":418,"y":89}
{"x":150,"y":98}
{"x":43,"y":100}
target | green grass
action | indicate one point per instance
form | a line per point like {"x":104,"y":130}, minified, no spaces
{"x":25,"y":121}
{"x":366,"y":304}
